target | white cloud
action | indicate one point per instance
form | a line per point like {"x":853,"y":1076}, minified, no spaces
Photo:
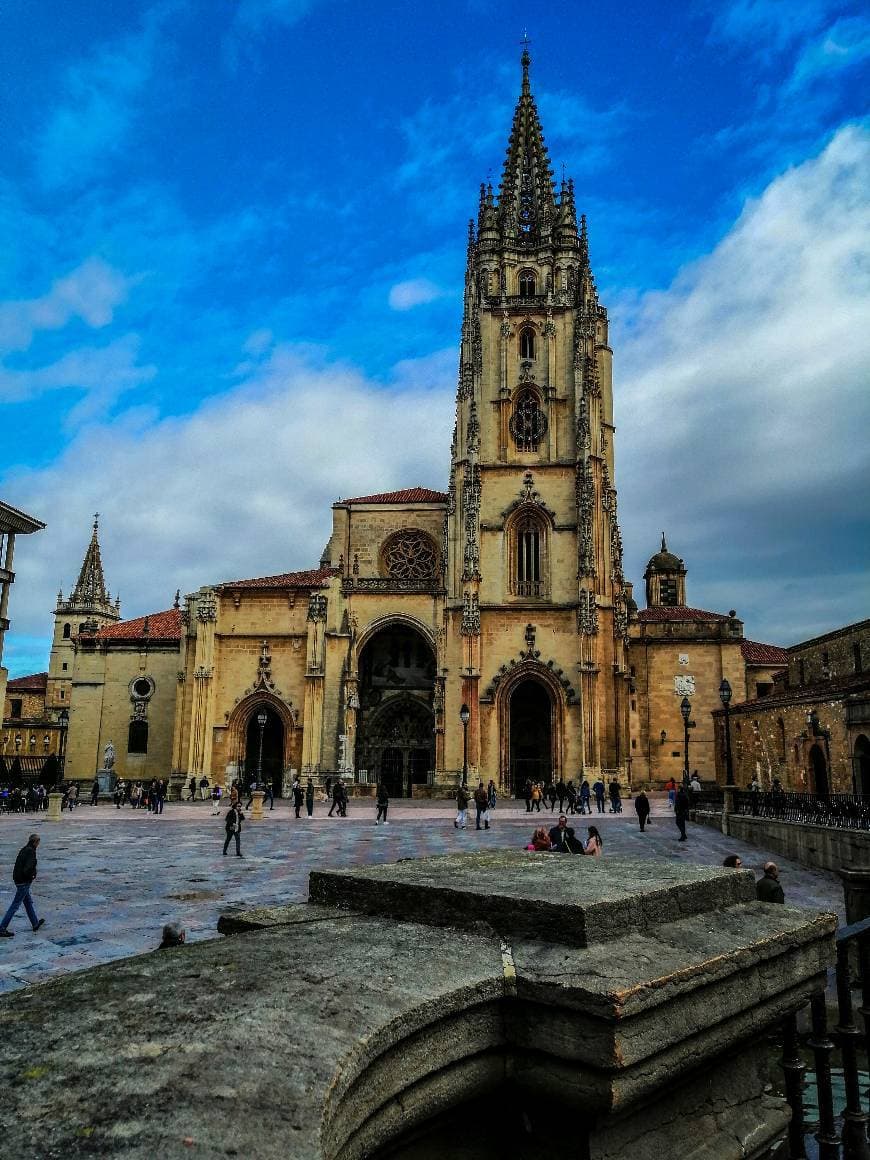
{"x":766,"y":27}
{"x":844,"y":45}
{"x":242,"y":487}
{"x":90,"y":292}
{"x":743,"y":396}
{"x":415,"y":292}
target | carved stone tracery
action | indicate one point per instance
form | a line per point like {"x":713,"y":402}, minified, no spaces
{"x":410,"y":555}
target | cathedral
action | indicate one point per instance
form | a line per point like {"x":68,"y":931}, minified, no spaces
{"x":482,"y":631}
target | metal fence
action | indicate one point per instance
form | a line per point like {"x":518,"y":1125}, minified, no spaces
{"x":841,"y":1133}
{"x":26,"y":770}
{"x":846,"y":811}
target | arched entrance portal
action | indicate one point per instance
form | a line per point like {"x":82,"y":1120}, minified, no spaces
{"x":861,"y":765}
{"x":396,"y":722}
{"x":271,"y":766}
{"x":531,"y":734}
{"x":819,"y":771}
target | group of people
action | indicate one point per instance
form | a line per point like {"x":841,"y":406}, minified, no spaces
{"x":579,"y":798}
{"x":562,"y":839}
{"x":484,"y":803}
{"x":149,"y":795}
{"x":20,"y":800}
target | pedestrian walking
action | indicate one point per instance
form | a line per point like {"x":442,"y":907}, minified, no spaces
{"x":233,"y":824}
{"x":585,"y":797}
{"x":491,"y":795}
{"x":550,"y":794}
{"x":298,"y":795}
{"x":681,"y":811}
{"x":95,"y":791}
{"x":615,"y":797}
{"x":481,"y":805}
{"x":671,"y":787}
{"x":191,"y":790}
{"x":537,"y":795}
{"x":561,"y":794}
{"x":462,"y":800}
{"x":571,"y":795}
{"x":23,"y":875}
{"x":383,"y":800}
{"x":269,"y":791}
{"x":203,"y":788}
{"x":216,"y":795}
{"x":768,"y":888}
{"x":642,"y":809}
{"x":336,"y":799}
{"x":527,"y":795}
{"x":309,"y":798}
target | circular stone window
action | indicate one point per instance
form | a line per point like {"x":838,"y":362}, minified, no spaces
{"x":410,"y":555}
{"x":141,"y":689}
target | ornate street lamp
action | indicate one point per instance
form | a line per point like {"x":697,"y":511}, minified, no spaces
{"x":464,"y":716}
{"x":725,"y":698}
{"x":686,"y":712}
{"x":262,"y":718}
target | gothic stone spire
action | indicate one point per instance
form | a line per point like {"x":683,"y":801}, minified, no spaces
{"x":527,"y":198}
{"x":90,"y":587}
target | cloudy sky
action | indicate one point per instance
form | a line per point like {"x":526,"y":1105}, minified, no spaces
{"x":232,"y":256}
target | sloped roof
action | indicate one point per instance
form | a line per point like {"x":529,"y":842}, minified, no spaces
{"x":161,"y":627}
{"x":755,"y":653}
{"x":34,"y":683}
{"x":311,"y":578}
{"x":409,"y":495}
{"x":663,"y":612}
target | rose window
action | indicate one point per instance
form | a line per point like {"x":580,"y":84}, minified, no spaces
{"x":410,"y":556}
{"x":528,"y":423}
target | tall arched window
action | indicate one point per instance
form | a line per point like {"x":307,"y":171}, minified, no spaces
{"x":527,"y":539}
{"x":527,"y":284}
{"x":527,"y":342}
{"x":67,"y":628}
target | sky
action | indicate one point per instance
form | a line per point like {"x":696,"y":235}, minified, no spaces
{"x":232,"y":245}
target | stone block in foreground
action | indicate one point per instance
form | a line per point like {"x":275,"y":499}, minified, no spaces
{"x":332,"y":1031}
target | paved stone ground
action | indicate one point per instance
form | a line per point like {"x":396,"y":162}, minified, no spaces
{"x":108,"y":879}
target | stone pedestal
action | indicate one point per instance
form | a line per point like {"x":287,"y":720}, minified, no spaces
{"x":856,"y":892}
{"x":257,"y":807}
{"x":55,"y":801}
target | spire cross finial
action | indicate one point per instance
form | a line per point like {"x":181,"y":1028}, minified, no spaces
{"x":664,"y":543}
{"x":525,"y":60}
{"x":96,"y":520}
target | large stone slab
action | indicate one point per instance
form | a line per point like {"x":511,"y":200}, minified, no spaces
{"x":571,"y":900}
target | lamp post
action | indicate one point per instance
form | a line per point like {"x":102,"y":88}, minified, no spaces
{"x":725,"y":698}
{"x":262,"y":718}
{"x":686,"y":713}
{"x":464,"y":715}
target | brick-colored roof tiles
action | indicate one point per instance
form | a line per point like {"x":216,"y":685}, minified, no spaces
{"x":409,"y":495}
{"x":312,"y":578}
{"x":162,"y":626}
{"x":34,"y":683}
{"x":676,"y":612}
{"x":755,"y":653}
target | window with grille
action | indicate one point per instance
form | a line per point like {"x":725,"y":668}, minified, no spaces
{"x":529,"y":545}
{"x":668,"y":592}
{"x":527,"y":284}
{"x":528,"y":423}
{"x":410,"y":555}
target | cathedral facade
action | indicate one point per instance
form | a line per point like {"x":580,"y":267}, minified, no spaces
{"x":504,"y":595}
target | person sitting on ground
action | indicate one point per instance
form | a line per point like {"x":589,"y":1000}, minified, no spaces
{"x":562,"y":838}
{"x":733,"y":862}
{"x":768,"y":888}
{"x":540,"y":840}
{"x":595,"y":844}
{"x":173,"y":936}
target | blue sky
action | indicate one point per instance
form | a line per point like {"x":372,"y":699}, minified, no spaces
{"x":232,"y":257}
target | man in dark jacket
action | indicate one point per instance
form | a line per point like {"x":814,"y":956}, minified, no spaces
{"x":298,"y":796}
{"x":562,"y":838}
{"x":769,"y":888}
{"x":641,"y":806}
{"x":383,"y":801}
{"x":23,"y":875}
{"x":481,"y":804}
{"x":234,"y":820}
{"x":681,"y":811}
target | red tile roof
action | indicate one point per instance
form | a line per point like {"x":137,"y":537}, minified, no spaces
{"x":312,"y":578}
{"x":677,"y":612}
{"x":763,"y":654}
{"x":34,"y":683}
{"x":409,"y":495}
{"x":162,"y":627}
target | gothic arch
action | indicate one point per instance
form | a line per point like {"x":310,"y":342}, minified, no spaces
{"x":527,"y":551}
{"x":242,"y":713}
{"x":530,"y":670}
{"x":389,"y":621}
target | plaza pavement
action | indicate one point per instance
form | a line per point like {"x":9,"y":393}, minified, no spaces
{"x":108,"y":879}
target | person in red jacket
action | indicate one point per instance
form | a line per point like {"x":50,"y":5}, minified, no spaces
{"x":23,"y":875}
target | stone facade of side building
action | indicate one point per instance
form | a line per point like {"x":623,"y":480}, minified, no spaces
{"x":812,"y":731}
{"x":28,"y":731}
{"x":678,"y":651}
{"x":13,"y":523}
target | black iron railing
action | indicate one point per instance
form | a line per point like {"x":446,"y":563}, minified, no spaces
{"x":841,"y":1133}
{"x":707,"y":799}
{"x":846,"y":811}
{"x":30,"y":770}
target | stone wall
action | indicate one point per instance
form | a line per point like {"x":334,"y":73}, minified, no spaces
{"x":822,"y":847}
{"x":843,"y":653}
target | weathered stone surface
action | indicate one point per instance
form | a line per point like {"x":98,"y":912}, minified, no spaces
{"x":568,"y":900}
{"x":323,"y":1034}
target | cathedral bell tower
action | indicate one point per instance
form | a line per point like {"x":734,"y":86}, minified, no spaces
{"x":533,"y":552}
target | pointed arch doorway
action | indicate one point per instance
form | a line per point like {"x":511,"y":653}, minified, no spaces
{"x":270,"y":765}
{"x":531,"y":748}
{"x":819,"y":771}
